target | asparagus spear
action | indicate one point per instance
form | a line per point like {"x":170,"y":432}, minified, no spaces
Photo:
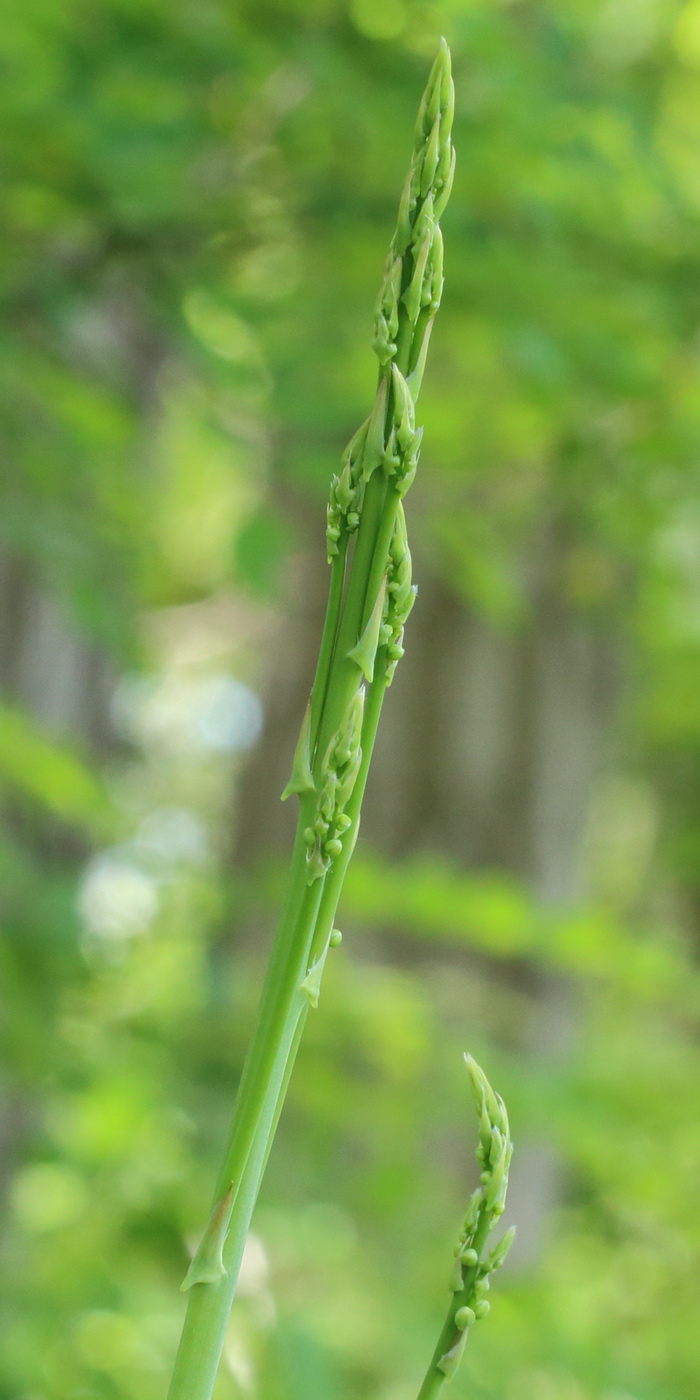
{"x":370,"y":597}
{"x":469,"y":1283}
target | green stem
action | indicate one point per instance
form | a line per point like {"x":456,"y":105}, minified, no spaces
{"x":333,"y":884}
{"x":261,"y":1094}
{"x":303,"y":933}
{"x":435,"y":1378}
{"x":285,"y":972}
{"x":209,"y":1305}
{"x":344,"y":679}
{"x":328,"y":640}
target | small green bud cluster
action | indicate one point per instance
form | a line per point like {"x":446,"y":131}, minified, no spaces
{"x":338,"y":776}
{"x":347,"y":491}
{"x":470,"y":1272}
{"x":400,"y":595}
{"x":386,"y":313}
{"x":402,"y":448}
{"x":395,"y":447}
{"x":408,"y":299}
{"x":413,"y":271}
{"x":495,"y":1149}
{"x":392,"y":606}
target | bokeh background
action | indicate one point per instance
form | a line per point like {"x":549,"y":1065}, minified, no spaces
{"x":197,"y":196}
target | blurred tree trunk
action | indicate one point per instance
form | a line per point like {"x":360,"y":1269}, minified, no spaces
{"x":47,"y":667}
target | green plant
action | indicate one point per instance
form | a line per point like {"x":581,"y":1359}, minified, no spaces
{"x":469,"y":1282}
{"x":371,"y":595}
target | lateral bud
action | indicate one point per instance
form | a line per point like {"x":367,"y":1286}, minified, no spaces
{"x":345,"y":500}
{"x":392,"y":457}
{"x":432,"y":291}
{"x":444,"y":182}
{"x":387,"y":311}
{"x":404,"y":224}
{"x":409,"y":466}
{"x":348,"y":740}
{"x":471,"y":1219}
{"x":500,"y":1252}
{"x":413,"y":296}
{"x":425,"y":221}
{"x":430,"y":157}
{"x":339,"y":771}
{"x":404,"y":411}
{"x":432,"y":97}
{"x":464,"y":1317}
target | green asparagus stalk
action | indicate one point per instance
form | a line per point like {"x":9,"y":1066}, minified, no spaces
{"x":469,"y":1282}
{"x":370,"y":597}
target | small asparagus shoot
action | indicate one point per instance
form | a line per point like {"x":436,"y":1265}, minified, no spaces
{"x":469,"y":1282}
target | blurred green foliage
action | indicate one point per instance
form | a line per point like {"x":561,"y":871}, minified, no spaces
{"x":196,"y":198}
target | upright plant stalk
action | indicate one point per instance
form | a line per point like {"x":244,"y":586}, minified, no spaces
{"x":371,"y":595}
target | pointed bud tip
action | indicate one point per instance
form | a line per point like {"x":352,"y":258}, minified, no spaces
{"x":443,"y":59}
